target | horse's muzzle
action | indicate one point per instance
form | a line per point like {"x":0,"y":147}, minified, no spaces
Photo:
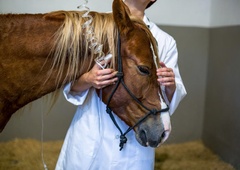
{"x":153,"y":132}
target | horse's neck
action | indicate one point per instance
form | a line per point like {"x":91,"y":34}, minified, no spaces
{"x":25,"y":43}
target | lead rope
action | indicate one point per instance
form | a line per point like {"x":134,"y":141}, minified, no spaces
{"x":123,"y":138}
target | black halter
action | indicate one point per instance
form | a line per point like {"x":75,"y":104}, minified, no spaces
{"x":123,"y":138}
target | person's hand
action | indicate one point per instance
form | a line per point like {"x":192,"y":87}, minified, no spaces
{"x":100,"y":78}
{"x":166,"y":77}
{"x":97,"y":77}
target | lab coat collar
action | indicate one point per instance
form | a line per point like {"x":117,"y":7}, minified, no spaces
{"x":147,"y":21}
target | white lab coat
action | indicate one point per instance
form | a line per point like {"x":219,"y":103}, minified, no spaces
{"x":92,"y":140}
{"x":167,"y":51}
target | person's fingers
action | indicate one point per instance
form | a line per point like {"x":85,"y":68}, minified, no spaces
{"x":162,"y":64}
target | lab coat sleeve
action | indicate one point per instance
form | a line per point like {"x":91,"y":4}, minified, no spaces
{"x":76,"y":98}
{"x":171,"y":60}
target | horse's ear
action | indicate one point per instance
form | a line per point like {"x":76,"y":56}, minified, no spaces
{"x":121,"y":16}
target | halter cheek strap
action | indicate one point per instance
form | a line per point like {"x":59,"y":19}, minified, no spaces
{"x":123,"y":138}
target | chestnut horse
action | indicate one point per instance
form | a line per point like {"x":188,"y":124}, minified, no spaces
{"x":39,"y":53}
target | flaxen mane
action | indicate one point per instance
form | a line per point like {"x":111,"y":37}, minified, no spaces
{"x":72,"y":46}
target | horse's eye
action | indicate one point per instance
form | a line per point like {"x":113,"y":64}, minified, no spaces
{"x":144,"y":70}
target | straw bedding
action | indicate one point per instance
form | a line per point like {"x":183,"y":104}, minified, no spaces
{"x":26,"y":154}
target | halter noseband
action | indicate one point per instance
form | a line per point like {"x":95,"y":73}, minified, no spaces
{"x":123,"y":138}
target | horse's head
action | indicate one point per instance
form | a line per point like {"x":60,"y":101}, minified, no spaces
{"x":138,"y":93}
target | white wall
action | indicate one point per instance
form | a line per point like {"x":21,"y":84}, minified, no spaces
{"x":41,"y":6}
{"x":199,"y":13}
{"x":225,"y":12}
{"x":181,"y":12}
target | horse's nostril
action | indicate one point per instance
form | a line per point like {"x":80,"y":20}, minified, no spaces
{"x":143,"y":136}
{"x":163,"y":135}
